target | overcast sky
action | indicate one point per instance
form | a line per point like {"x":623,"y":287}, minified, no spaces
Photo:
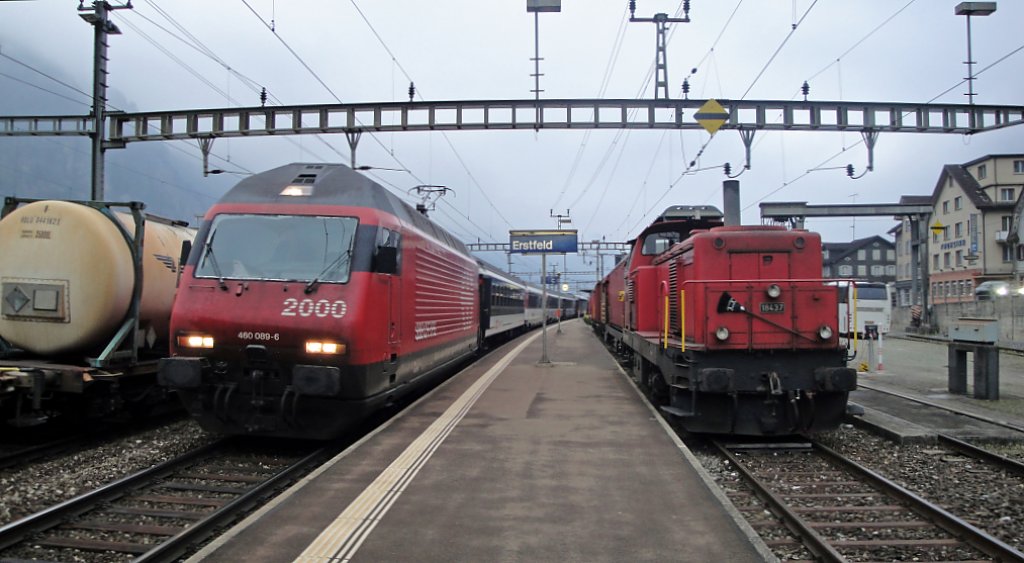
{"x":368,"y":50}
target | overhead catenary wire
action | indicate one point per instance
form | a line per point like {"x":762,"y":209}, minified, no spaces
{"x":860,"y":142}
{"x":88,"y":104}
{"x":838,"y":60}
{"x":778,"y":50}
{"x":861,"y":40}
{"x":79,"y":91}
{"x":605,"y":83}
{"x":196,"y":44}
{"x":402,"y":165}
{"x":419,"y":93}
{"x":45,"y":75}
{"x":692,"y":163}
{"x":48,"y":91}
{"x":293,"y":52}
{"x":619,"y":134}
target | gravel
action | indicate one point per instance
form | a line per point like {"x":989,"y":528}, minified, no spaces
{"x":987,"y":497}
{"x":29,"y":489}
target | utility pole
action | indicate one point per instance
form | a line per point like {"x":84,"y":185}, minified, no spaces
{"x":103,"y":27}
{"x":661,"y":59}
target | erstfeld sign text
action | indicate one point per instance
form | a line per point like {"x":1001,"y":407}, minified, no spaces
{"x":543,"y":242}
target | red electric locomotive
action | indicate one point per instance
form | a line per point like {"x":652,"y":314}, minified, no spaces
{"x":731,"y":329}
{"x":313,"y":297}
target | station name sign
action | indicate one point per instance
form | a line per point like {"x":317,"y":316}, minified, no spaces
{"x":543,"y":242}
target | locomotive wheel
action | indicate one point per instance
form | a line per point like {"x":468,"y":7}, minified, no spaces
{"x":658,"y":389}
{"x":639,"y":373}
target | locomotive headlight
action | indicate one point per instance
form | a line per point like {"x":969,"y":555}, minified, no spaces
{"x":825,"y":332}
{"x":324,"y":347}
{"x":774,"y":291}
{"x":195,"y":341}
{"x":722,"y":333}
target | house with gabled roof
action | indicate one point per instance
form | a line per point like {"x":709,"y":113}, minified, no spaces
{"x":971,"y":225}
{"x":867,"y":259}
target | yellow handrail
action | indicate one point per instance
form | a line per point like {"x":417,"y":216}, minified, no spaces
{"x":853,"y":305}
{"x":682,"y":320}
{"x":666,"y":322}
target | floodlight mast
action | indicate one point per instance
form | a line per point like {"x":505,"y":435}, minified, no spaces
{"x":972,"y":9}
{"x":536,"y":7}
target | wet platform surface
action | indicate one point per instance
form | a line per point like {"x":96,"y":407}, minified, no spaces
{"x":528,"y":461}
{"x":919,"y":369}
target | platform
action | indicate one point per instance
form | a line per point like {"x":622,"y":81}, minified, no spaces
{"x":920,"y":369}
{"x":519,"y":462}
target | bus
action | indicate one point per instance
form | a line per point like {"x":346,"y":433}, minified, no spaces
{"x":871,"y":306}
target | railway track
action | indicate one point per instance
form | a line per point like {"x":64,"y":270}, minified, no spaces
{"x":159,"y":514}
{"x":840,"y":510}
{"x":13,"y":455}
{"x":982,"y":454}
{"x":934,"y":405}
{"x":27,"y":447}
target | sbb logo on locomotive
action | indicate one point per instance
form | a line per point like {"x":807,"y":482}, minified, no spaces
{"x":309,"y":308}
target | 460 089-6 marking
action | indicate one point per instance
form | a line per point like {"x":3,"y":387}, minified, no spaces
{"x":309,"y":308}
{"x":261,"y":336}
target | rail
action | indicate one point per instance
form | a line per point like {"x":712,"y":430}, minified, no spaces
{"x":844,"y":473}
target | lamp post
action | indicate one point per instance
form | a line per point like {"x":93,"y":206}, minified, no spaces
{"x":972,"y":9}
{"x":536,"y":7}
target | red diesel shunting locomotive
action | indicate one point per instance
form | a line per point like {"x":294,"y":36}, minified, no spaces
{"x":313,"y":297}
{"x":731,"y":329}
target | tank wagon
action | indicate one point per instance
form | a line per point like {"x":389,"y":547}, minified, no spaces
{"x":730,"y":329}
{"x":313,"y":297}
{"x":85,"y":299}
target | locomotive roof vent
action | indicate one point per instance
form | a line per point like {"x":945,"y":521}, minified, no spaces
{"x":300,"y":186}
{"x":678,"y":212}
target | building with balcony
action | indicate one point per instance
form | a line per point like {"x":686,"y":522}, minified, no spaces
{"x":971,"y":225}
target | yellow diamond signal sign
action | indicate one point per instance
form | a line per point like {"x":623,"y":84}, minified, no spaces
{"x":711,"y":116}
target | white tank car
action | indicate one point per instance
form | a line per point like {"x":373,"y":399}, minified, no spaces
{"x":67,"y":277}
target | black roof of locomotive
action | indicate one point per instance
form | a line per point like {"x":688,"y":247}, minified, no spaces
{"x":332,"y":184}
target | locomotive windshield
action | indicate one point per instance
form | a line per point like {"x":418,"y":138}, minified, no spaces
{"x":278,"y":247}
{"x":656,"y":243}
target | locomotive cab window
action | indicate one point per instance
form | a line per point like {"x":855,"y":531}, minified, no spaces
{"x":387,"y":256}
{"x":656,"y":243}
{"x":278,"y":247}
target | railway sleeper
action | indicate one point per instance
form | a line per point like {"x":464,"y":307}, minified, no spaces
{"x":96,"y":545}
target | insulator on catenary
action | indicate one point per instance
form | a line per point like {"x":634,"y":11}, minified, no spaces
{"x":412,"y":91}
